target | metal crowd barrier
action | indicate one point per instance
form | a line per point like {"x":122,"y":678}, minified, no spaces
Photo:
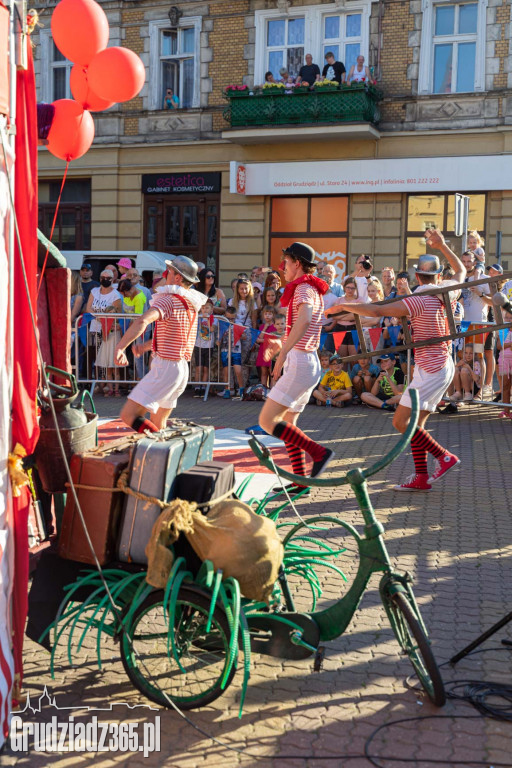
{"x":94,"y":343}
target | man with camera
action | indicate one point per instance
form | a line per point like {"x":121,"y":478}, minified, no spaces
{"x":434,"y":367}
{"x":362,"y":272}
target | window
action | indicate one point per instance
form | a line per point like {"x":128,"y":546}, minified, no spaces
{"x":55,"y":70}
{"x":73,"y":225}
{"x":424,"y":211}
{"x":174,"y":62}
{"x":453,"y":55}
{"x":283,"y":40}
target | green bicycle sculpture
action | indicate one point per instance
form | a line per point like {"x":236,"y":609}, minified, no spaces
{"x":182,"y":646}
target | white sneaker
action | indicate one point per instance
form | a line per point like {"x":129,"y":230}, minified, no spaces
{"x":455,"y":397}
{"x":488,"y":392}
{"x":467,"y":397}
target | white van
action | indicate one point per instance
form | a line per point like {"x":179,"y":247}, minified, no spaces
{"x":146,"y":262}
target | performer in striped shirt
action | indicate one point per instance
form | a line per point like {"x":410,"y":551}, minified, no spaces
{"x":298,"y":360}
{"x":434,"y":368}
{"x":174,"y":310}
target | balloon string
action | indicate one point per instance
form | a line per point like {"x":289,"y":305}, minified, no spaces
{"x":53,"y":227}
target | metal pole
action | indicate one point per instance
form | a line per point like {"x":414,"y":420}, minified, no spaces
{"x":498,"y":246}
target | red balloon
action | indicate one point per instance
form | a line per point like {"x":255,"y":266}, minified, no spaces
{"x":72,"y":130}
{"x":79,"y":29}
{"x":82,"y":91}
{"x":116,"y":74}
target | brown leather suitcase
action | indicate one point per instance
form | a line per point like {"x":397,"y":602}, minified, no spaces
{"x":100,"y":468}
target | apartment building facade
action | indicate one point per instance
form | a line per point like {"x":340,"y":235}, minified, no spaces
{"x":227,"y":182}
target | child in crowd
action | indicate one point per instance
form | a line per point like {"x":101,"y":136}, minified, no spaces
{"x":335,"y":387}
{"x":280,"y":326}
{"x":266,"y":328}
{"x":505,"y":367}
{"x":467,"y":376}
{"x":364,"y":374}
{"x":236,"y":356}
{"x":476,"y":244}
{"x":205,"y":340}
{"x":388,"y":386}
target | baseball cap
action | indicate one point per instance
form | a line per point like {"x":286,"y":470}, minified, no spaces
{"x":301,"y":251}
{"x":496,"y":267}
{"x":258,"y":286}
{"x":428,"y":264}
{"x":388,"y":356}
{"x":86,"y":265}
{"x":124,"y":262}
{"x":335,"y":359}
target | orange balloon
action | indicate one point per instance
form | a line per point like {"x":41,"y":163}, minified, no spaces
{"x":82,"y":91}
{"x":72,"y":130}
{"x":116,"y":74}
{"x":79,"y":29}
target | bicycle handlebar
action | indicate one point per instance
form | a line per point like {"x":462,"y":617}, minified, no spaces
{"x":264,"y":456}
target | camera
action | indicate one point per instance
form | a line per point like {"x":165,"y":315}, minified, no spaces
{"x":366,"y":264}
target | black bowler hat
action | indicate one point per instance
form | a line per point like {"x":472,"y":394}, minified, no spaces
{"x":301,"y":251}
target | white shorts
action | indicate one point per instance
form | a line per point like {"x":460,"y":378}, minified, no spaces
{"x":162,"y":385}
{"x":301,"y":372}
{"x":431,"y":386}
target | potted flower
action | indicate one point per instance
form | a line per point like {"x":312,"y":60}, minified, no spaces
{"x":273,"y":89}
{"x":231,"y":91}
{"x":301,"y":88}
{"x":325,"y":85}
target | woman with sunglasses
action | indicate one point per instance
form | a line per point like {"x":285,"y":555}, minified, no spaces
{"x":345,"y":322}
{"x":207,"y":286}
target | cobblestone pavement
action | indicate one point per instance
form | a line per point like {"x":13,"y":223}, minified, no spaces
{"x":457,"y":543}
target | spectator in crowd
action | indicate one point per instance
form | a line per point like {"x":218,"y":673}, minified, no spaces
{"x":388,"y":386}
{"x":133,"y":275}
{"x":87,"y":282}
{"x":362,"y":273}
{"x":476,"y":244}
{"x":335,"y":387}
{"x":114,"y":271}
{"x":77,"y":296}
{"x":266,"y":327}
{"x":286,"y":77}
{"x":346,"y":322}
{"x":244,"y":304}
{"x":309,"y":72}
{"x":171,"y":101}
{"x":134,"y":302}
{"x":403,"y":287}
{"x":102,"y":300}
{"x":205,"y":341}
{"x":207,"y":286}
{"x":358,"y":72}
{"x":269,"y":77}
{"x":330,"y":299}
{"x":158,"y":280}
{"x":321,"y":263}
{"x":333,"y":70}
{"x":257,"y":289}
{"x":123,"y":265}
{"x":505,"y":367}
{"x":375,"y":293}
{"x":328,"y":274}
{"x":467,"y":377}
{"x":388,"y":282}
{"x":242,"y":276}
{"x":226,"y":338}
{"x":364,"y":374}
{"x":273,"y":280}
{"x":476,"y":303}
{"x":256,"y":274}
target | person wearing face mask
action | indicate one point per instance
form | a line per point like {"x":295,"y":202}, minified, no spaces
{"x":133,"y":275}
{"x":104,"y":299}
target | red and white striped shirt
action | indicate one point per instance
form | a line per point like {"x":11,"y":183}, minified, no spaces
{"x":174,"y":335}
{"x":307,"y":294}
{"x":428,"y":320}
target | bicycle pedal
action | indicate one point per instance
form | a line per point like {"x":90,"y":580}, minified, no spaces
{"x":319,"y":658}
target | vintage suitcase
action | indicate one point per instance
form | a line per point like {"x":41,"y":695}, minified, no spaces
{"x":205,"y":481}
{"x":101,"y":468}
{"x":155,"y":464}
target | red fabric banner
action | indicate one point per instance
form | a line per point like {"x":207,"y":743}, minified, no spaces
{"x":24,"y":422}
{"x":481,"y":338}
{"x":238,"y":332}
{"x":375,"y":334}
{"x":106,"y":325}
{"x":339,"y":339}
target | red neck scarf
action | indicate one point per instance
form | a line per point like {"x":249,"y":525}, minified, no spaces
{"x":320,"y":285}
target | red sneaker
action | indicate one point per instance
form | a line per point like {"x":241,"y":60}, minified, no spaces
{"x":443,"y":466}
{"x":415,"y":483}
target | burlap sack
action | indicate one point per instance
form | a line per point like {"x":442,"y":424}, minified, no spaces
{"x":243,"y":544}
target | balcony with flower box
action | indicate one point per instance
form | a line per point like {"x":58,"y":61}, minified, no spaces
{"x":327,"y":110}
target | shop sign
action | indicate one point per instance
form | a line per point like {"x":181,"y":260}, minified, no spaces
{"x":342,"y":177}
{"x":169,"y":183}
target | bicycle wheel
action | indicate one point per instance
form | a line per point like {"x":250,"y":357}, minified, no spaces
{"x":414,"y":643}
{"x":203,"y":656}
